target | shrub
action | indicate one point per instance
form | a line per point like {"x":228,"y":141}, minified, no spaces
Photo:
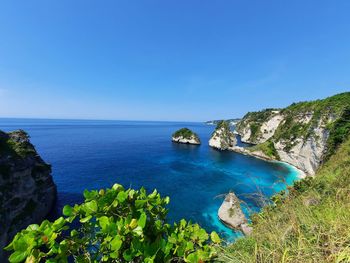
{"x":114,"y":225}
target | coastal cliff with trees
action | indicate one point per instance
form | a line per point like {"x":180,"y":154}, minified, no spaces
{"x":304,"y":134}
{"x":27,"y":191}
{"x":308,"y":222}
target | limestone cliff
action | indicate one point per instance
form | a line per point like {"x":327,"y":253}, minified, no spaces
{"x":185,"y":136}
{"x":223,"y":138}
{"x":303,"y":134}
{"x":258,"y":127}
{"x":27,"y":191}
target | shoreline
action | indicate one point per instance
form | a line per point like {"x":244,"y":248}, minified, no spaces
{"x":242,"y":150}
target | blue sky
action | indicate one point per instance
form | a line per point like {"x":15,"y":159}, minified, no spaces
{"x":190,"y":60}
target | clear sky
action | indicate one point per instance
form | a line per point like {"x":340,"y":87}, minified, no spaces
{"x":190,"y":60}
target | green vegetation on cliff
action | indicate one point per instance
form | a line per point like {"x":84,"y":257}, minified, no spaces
{"x":267,"y":148}
{"x":27,"y":191}
{"x":309,"y":224}
{"x":185,"y":133}
{"x":222,"y":137}
{"x":300,"y":120}
{"x":15,"y":144}
{"x":325,"y":123}
{"x":255,"y":121}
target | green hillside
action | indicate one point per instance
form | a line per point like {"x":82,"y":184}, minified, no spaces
{"x":310,"y":224}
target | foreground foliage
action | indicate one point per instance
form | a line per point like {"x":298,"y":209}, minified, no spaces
{"x":114,"y":225}
{"x":309,"y":224}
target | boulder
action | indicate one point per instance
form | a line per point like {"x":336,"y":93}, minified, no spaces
{"x":231,"y":214}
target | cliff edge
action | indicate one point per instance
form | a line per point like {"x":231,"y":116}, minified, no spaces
{"x":27,"y":191}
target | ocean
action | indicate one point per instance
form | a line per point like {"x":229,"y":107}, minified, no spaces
{"x":87,"y":154}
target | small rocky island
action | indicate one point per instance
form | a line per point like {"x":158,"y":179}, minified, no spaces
{"x":185,"y":136}
{"x":231,"y":214}
{"x":223,"y":138}
{"x":27,"y":191}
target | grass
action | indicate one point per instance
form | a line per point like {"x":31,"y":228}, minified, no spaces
{"x":267,"y":148}
{"x":310,"y":224}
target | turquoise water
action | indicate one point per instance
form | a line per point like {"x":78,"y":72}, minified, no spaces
{"x":97,"y":154}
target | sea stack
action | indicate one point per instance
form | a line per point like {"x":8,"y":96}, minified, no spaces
{"x":185,"y":136}
{"x":223,"y":138}
{"x":231,"y":214}
{"x":28,"y":192}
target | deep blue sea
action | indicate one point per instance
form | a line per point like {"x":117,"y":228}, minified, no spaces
{"x":97,"y":154}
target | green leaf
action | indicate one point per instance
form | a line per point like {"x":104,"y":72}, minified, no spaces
{"x":116,"y":243}
{"x":138,"y":231}
{"x":153,"y":195}
{"x":202,"y":234}
{"x":122,"y":196}
{"x":104,"y":222}
{"x":67,"y":210}
{"x":20,"y":244}
{"x":87,"y":194}
{"x":74,"y":233}
{"x":59,"y":223}
{"x":215,"y":237}
{"x":18,"y":256}
{"x":115,"y":203}
{"x":192,"y":258}
{"x":91,"y":207}
{"x":85,"y":219}
{"x":133,"y":223}
{"x":167,"y":200}
{"x":140,"y":203}
{"x":33,"y":227}
{"x":118,"y":187}
{"x":142,"y":220}
{"x":127,"y":255}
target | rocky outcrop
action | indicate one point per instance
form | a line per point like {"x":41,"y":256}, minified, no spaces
{"x":27,"y":191}
{"x":223,"y":138}
{"x":231,"y":214}
{"x":185,"y":136}
{"x":303,"y":134}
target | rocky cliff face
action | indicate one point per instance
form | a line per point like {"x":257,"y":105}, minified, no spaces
{"x":27,"y":191}
{"x":258,"y":127}
{"x":223,"y":138}
{"x":231,"y":214}
{"x":303,"y":134}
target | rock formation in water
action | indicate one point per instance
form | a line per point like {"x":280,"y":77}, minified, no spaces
{"x":27,"y":191}
{"x":185,"y":136}
{"x":223,"y":138}
{"x":231,"y":214}
{"x":303,"y":134}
